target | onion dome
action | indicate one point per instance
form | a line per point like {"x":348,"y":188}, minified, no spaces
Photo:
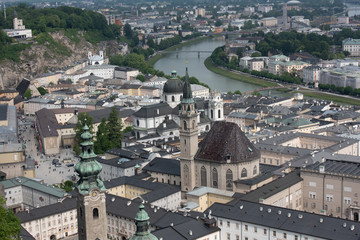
{"x":88,"y":168}
{"x":142,"y":226}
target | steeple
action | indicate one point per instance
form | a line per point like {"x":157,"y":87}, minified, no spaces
{"x":91,"y":208}
{"x":142,"y":226}
{"x":187,"y":94}
{"x":88,"y":168}
{"x":188,"y":137}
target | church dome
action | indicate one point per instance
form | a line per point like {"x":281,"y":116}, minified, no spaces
{"x":173,"y":85}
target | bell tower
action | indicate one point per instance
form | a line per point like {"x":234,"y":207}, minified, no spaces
{"x":91,"y":206}
{"x":188,"y":137}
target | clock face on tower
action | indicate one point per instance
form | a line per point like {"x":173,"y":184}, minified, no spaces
{"x":94,"y":193}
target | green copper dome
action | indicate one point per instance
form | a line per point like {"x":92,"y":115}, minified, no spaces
{"x":88,"y":168}
{"x":142,"y":226}
{"x":142,"y":214}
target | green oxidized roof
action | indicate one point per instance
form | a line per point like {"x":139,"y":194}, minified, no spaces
{"x":142,"y":214}
{"x":88,"y":168}
{"x":142,"y":226}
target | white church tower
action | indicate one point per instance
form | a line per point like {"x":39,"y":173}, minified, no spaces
{"x":216,"y":107}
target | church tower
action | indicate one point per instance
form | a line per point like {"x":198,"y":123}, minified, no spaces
{"x":216,"y":107}
{"x":91,"y":206}
{"x":188,"y":137}
{"x":142,"y":226}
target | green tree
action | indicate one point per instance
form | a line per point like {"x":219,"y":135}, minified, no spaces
{"x":67,"y":186}
{"x":238,"y":92}
{"x":83,"y":118}
{"x":128,"y":31}
{"x":102,"y":143}
{"x":114,"y":127}
{"x":151,"y":43}
{"x":256,"y":93}
{"x":9,"y":224}
{"x":42,"y":90}
{"x":256,"y":54}
{"x":28,"y":93}
{"x":218,"y":23}
{"x":140,"y":77}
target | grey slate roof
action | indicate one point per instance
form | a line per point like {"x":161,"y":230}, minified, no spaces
{"x":158,"y":190}
{"x":98,"y":115}
{"x":182,"y":231}
{"x":47,"y":123}
{"x":337,"y":167}
{"x":37,"y":213}
{"x":226,"y":139}
{"x":123,"y":153}
{"x":273,"y":187}
{"x":25,"y":235}
{"x":120,"y":162}
{"x":164,"y":165}
{"x":167,"y":124}
{"x":154,"y":110}
{"x":3,"y":112}
{"x":318,"y":226}
{"x":23,"y":86}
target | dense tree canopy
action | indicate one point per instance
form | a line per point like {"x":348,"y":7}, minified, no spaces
{"x":45,"y":19}
{"x":9,"y":224}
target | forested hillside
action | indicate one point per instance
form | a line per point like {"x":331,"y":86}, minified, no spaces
{"x":60,"y":37}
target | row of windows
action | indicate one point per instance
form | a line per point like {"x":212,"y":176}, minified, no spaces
{"x":329,"y":197}
{"x":265,"y":231}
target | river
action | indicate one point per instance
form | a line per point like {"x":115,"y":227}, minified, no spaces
{"x":197,"y":68}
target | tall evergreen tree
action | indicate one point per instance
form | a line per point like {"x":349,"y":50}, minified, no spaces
{"x":114,"y":126}
{"x":102,"y":143}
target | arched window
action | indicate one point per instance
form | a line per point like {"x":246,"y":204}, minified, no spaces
{"x":137,"y":135}
{"x":165,"y":98}
{"x":255,"y":170}
{"x":215,"y":178}
{"x":356,"y":216}
{"x":203,"y":176}
{"x":193,"y":124}
{"x":137,"y":123}
{"x":229,"y":180}
{"x":185,"y":125}
{"x":207,"y":128}
{"x":95,"y":213}
{"x":243,"y":172}
{"x":211,"y":114}
{"x":219,"y":113}
{"x":186,"y":175}
{"x":173,"y":98}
